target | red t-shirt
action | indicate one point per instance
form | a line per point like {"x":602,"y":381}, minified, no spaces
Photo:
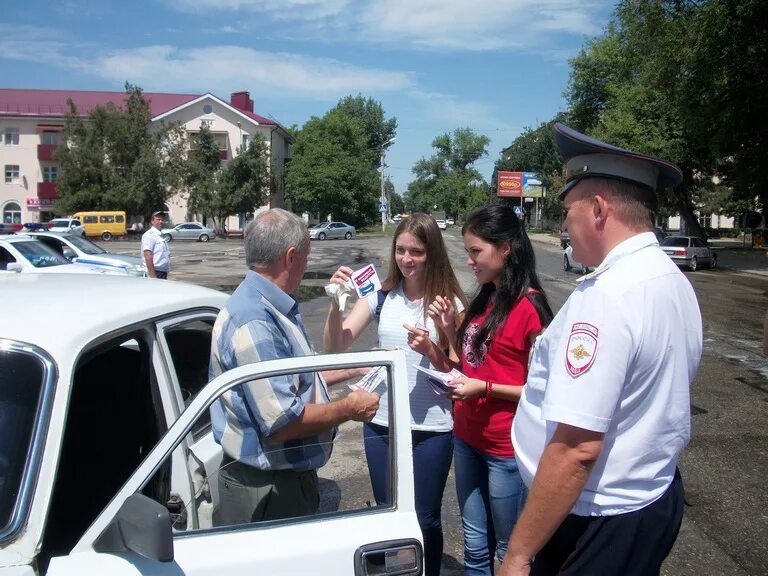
{"x":486,"y":423}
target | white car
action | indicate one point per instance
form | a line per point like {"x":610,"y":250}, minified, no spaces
{"x":441,"y":224}
{"x":71,"y":225}
{"x":107,"y":461}
{"x":83,"y":251}
{"x":25,"y":254}
{"x":569,"y":263}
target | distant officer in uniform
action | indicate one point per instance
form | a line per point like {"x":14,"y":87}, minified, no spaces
{"x":154,"y":248}
{"x":605,"y":411}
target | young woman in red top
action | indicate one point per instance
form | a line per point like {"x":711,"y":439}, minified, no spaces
{"x":492,"y":347}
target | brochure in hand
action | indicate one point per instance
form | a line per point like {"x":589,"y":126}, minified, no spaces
{"x":441,"y":380}
{"x":372,"y":380}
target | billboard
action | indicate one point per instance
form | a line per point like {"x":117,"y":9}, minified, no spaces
{"x":532,"y":185}
{"x":510,"y":184}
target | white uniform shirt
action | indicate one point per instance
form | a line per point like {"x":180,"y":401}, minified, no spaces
{"x":152,"y":240}
{"x":429,"y":411}
{"x":618,"y":358}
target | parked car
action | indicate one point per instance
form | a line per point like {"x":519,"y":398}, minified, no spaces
{"x":108,"y":463}
{"x":569,"y":263}
{"x":565,"y":239}
{"x":331,"y":230}
{"x":71,"y":225}
{"x":689,"y":251}
{"x":81,"y":250}
{"x":189,"y":231}
{"x":104,"y":224}
{"x":449,"y":221}
{"x":22,"y":253}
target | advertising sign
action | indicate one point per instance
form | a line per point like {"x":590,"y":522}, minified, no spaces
{"x":510,"y":184}
{"x":532,"y":186}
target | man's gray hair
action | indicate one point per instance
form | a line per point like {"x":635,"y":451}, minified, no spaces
{"x":271,"y":234}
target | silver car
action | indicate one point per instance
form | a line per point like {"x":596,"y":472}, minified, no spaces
{"x":331,"y":230}
{"x":77,"y":249}
{"x":189,"y":231}
{"x":689,"y":251}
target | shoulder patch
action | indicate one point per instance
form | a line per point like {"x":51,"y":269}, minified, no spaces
{"x":582,"y":348}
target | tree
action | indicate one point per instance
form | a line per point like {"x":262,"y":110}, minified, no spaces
{"x":370,"y":114}
{"x":396,"y":201}
{"x":115,"y":159}
{"x":243,"y":183}
{"x":202,"y":173}
{"x":448,"y":180}
{"x":332,"y":171}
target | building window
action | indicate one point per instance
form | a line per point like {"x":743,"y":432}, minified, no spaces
{"x":207,"y":109}
{"x":50,"y":173}
{"x":12,"y":213}
{"x":11,"y":173}
{"x":11,"y":137}
{"x":50,"y":138}
{"x":246,"y":140}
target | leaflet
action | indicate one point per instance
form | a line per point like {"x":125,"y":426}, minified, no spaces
{"x":371,"y":381}
{"x":441,"y":381}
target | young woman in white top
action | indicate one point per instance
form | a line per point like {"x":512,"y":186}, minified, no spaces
{"x":419,"y":271}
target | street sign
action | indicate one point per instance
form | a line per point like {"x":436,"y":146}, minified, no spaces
{"x":382,"y":207}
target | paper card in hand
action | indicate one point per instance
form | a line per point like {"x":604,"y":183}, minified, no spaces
{"x":440,"y":381}
{"x":366,"y":281}
{"x":371,"y":381}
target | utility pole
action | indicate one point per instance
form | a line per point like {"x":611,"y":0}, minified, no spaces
{"x":383,"y":199}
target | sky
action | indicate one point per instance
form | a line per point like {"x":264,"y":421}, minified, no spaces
{"x":495,"y":66}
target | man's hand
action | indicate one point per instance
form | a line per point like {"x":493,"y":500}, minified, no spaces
{"x":515,"y":566}
{"x":362,"y":406}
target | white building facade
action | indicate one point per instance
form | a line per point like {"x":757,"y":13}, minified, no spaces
{"x":31,"y":122}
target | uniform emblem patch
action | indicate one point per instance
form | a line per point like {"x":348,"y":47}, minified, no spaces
{"x":582,"y":348}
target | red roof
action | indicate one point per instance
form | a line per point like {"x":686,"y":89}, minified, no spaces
{"x":53,"y":103}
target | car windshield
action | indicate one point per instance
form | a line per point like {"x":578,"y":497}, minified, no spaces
{"x":22,"y":379}
{"x":321,"y":225}
{"x":86,"y":245}
{"x":40,"y":255}
{"x":677,"y":242}
{"x":59,"y":223}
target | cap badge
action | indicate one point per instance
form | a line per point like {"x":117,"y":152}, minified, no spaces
{"x":582,"y":348}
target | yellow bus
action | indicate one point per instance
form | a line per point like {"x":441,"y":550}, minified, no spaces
{"x":105,"y":224}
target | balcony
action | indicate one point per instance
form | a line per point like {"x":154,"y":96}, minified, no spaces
{"x":48,"y":190}
{"x":45,"y":151}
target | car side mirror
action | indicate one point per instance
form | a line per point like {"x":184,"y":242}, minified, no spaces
{"x":14,"y":267}
{"x":142,"y":526}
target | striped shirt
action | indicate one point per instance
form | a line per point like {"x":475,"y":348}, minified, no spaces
{"x":261,"y":322}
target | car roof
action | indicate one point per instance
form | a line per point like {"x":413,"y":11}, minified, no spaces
{"x":112,"y":302}
{"x":16,"y":238}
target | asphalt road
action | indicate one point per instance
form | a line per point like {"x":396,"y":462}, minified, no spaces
{"x":725,"y":468}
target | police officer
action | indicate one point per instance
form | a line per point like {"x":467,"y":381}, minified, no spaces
{"x":605,"y":411}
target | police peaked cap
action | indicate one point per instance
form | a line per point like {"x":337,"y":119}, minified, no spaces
{"x":586,"y":157}
{"x":158,"y":213}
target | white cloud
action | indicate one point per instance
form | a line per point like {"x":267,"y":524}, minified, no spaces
{"x":269,"y":73}
{"x":479,"y":25}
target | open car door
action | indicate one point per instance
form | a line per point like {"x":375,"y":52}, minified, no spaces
{"x":133,"y":534}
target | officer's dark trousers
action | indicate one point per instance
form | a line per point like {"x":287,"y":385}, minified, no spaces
{"x":632,"y":544}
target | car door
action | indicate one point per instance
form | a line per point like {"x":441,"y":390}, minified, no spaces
{"x":700,"y":250}
{"x":130,"y":538}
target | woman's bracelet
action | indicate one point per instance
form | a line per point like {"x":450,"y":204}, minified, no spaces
{"x":488,"y":388}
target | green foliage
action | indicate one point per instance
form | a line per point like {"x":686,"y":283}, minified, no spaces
{"x":448,"y":180}
{"x":243,"y":183}
{"x":114,"y":160}
{"x":332,"y":171}
{"x":335,"y":161}
{"x":397,"y":205}
{"x":202,"y":172}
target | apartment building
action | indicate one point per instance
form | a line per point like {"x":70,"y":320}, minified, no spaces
{"x":31,"y":122}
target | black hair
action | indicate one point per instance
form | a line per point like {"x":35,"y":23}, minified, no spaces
{"x":498,"y":224}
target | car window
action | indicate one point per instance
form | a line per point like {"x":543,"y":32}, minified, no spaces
{"x":675,"y":241}
{"x":698,"y":243}
{"x":85,"y":246}
{"x":23,"y":376}
{"x":76,"y":223}
{"x":106,"y":219}
{"x":5,"y":258}
{"x":343,"y":482}
{"x":60,"y":223}
{"x":90,"y":219}
{"x":189,"y":344}
{"x":40,"y":255}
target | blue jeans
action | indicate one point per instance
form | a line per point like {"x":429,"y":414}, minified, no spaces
{"x":491,"y":495}
{"x":432,"y":454}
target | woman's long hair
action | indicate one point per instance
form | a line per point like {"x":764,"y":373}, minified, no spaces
{"x":498,"y":224}
{"x":439,"y":278}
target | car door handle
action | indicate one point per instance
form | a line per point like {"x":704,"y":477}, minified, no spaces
{"x":391,"y":557}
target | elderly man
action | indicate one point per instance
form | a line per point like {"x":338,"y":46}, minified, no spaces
{"x":276,"y":432}
{"x":154,"y":248}
{"x":605,"y":411}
